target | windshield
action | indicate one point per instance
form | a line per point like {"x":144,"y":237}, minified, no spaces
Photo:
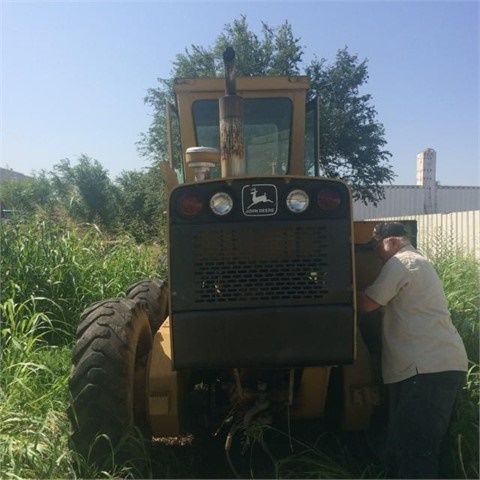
{"x":267,"y":130}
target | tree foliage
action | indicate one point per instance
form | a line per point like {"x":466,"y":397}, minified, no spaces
{"x":142,"y":204}
{"x":27,"y":194}
{"x":133,"y":204}
{"x":352,"y":142}
{"x":275,"y":52}
{"x":86,"y":190}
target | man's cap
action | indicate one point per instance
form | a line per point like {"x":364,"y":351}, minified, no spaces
{"x":388,"y":229}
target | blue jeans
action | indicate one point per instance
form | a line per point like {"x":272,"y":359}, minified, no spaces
{"x":420,"y":415}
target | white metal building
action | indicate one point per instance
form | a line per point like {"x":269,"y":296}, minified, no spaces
{"x":426,"y":197}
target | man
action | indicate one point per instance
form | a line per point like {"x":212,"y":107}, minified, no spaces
{"x":423,"y":356}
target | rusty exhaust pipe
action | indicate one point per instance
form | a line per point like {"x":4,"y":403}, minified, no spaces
{"x":232,"y":146}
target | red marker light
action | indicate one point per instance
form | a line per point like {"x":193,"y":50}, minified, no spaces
{"x":190,"y":205}
{"x":328,"y":199}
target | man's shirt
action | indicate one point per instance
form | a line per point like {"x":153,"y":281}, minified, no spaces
{"x":418,"y":334}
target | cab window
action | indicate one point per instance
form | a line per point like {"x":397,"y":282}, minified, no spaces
{"x":267,"y":131}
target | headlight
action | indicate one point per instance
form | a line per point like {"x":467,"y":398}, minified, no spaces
{"x":221,"y":203}
{"x":297,"y":201}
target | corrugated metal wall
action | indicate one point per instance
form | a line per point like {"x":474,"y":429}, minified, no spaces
{"x":457,"y":199}
{"x":407,"y":200}
{"x":458,"y":229}
{"x":419,"y":200}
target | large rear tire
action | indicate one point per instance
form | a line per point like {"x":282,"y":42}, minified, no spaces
{"x":107,"y":384}
{"x":153,"y":294}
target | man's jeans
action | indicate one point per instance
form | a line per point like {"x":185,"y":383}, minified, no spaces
{"x":420,"y":416}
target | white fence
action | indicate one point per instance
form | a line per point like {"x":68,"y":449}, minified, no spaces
{"x":458,"y":229}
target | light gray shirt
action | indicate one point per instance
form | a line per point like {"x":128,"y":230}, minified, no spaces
{"x":418,"y":334}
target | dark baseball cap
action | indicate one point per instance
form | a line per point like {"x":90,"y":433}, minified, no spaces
{"x":388,"y":229}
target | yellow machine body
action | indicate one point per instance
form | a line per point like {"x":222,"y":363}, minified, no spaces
{"x":227,"y":329}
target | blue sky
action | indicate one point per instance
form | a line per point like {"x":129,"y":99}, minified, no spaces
{"x":74,"y":73}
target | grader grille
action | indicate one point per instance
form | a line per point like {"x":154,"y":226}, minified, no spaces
{"x":246,"y":265}
{"x":260,"y":265}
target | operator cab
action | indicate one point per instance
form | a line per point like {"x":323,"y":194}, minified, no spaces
{"x":278,"y":126}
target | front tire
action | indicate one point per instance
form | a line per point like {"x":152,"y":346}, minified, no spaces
{"x":153,"y":294}
{"x":107,"y":383}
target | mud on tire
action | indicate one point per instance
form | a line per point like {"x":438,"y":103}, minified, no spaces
{"x":107,"y":383}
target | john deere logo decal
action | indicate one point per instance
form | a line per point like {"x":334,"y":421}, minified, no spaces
{"x":259,"y":199}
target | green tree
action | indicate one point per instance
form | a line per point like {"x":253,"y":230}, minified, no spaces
{"x":134,"y":204}
{"x":276,"y":52}
{"x":352,"y":143}
{"x":86,"y":191}
{"x":24,"y":196}
{"x":142,"y":204}
{"x":154,"y":143}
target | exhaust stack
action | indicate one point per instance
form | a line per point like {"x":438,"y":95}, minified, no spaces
{"x":232,"y":146}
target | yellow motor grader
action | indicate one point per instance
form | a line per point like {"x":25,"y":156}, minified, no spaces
{"x":256,"y":320}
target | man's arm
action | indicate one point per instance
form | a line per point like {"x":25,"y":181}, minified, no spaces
{"x":365,"y":303}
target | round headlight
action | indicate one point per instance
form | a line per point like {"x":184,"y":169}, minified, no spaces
{"x":221,"y":203}
{"x":297,"y":201}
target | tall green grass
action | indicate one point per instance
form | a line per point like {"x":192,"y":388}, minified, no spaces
{"x":67,"y":267}
{"x":33,"y":395}
{"x":51,"y":270}
{"x":460,"y":275}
